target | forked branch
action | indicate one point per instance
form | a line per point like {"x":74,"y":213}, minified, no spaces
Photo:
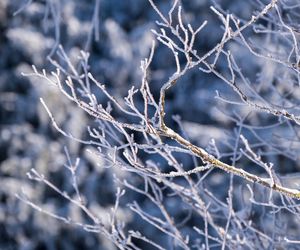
{"x":198,"y":151}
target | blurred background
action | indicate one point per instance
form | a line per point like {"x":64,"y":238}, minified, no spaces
{"x":117,"y":34}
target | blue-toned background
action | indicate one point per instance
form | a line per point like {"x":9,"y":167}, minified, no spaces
{"x":28,"y":140}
